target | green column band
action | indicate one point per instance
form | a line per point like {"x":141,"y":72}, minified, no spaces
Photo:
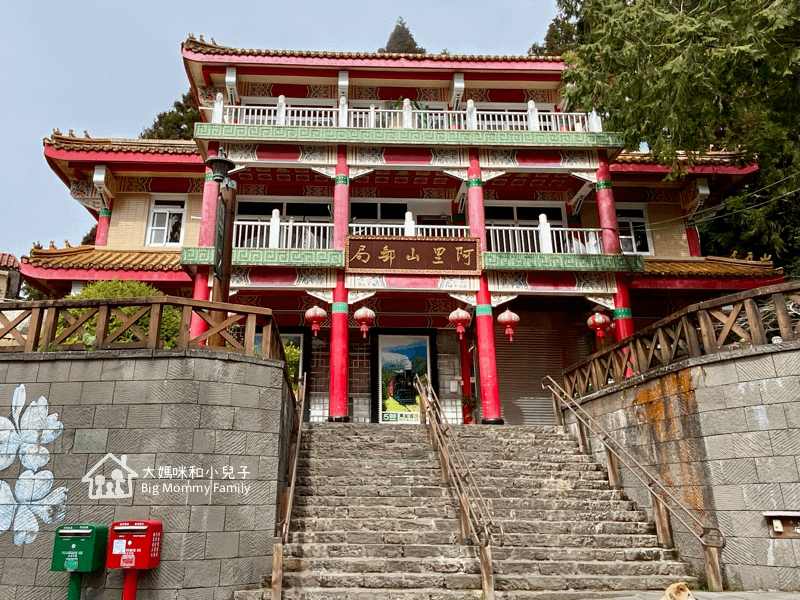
{"x":209,"y":177}
{"x":341,"y":180}
{"x":474,"y":182}
{"x":105,"y":213}
{"x":623,"y":313}
{"x":602,"y":185}
{"x":483,"y":309}
{"x":339,"y":307}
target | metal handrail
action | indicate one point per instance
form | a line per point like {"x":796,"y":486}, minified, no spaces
{"x":287,"y":500}
{"x":711,"y":538}
{"x":477,"y":525}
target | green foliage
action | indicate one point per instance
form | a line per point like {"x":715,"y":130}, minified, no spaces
{"x":702,"y":75}
{"x":566,"y":30}
{"x":175,"y":124}
{"x":170,"y":318}
{"x":30,"y":293}
{"x":88,"y":239}
{"x":293,"y":357}
{"x":401,"y":41}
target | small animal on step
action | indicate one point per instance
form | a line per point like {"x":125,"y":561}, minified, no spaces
{"x":678,"y":591}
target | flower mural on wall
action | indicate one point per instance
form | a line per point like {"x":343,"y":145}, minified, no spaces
{"x":32,"y":498}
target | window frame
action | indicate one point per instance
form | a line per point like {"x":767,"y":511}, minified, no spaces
{"x":151,"y":227}
{"x":630,"y":221}
{"x":514,"y":204}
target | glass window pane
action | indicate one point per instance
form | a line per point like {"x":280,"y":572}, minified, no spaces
{"x":395,"y":212}
{"x":159,"y":219}
{"x":157,"y":237}
{"x":531,"y":213}
{"x":640,"y":237}
{"x":175,"y":222}
{"x":364,"y":210}
{"x":500,"y":213}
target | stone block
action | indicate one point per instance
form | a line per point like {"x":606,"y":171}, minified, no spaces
{"x":755,"y":368}
{"x":183,"y":546}
{"x":97,"y":392}
{"x":742,"y":394}
{"x":729,"y":497}
{"x":131,"y":513}
{"x":245,"y":396}
{"x":751,"y":444}
{"x":730,"y":472}
{"x":219,"y":370}
{"x":203,"y":441}
{"x":3,"y":371}
{"x":201,"y":573}
{"x":255,"y":543}
{"x":786,"y":363}
{"x":86,"y":370}
{"x":763,"y":496}
{"x":169,"y":574}
{"x":777,"y":469}
{"x":749,"y":524}
{"x":109,"y":416}
{"x":175,"y":518}
{"x":780,"y":390}
{"x":172,"y":392}
{"x":247,"y":419}
{"x":271,"y":399}
{"x":97,"y":514}
{"x":719,"y":373}
{"x":765,"y":416}
{"x":53,"y":371}
{"x":211,"y":392}
{"x":236,"y":571}
{"x":240,"y":518}
{"x":717,"y":422}
{"x":180,"y":415}
{"x":144,"y":416}
{"x":90,"y":441}
{"x":785,"y":442}
{"x":270,"y":421}
{"x":792,"y":412}
{"x":719,"y":447}
{"x":77,"y":417}
{"x":207,"y":518}
{"x":124,"y":441}
{"x":129,"y":392}
{"x":150,"y":369}
{"x":216,"y":417}
{"x":230,"y":442}
{"x":22,"y":372}
{"x":258,"y":375}
{"x":168,"y":440}
{"x":773,"y":553}
{"x":18,"y":571}
{"x":180,"y":368}
{"x":118,"y":369}
{"x":64,"y":393}
{"x":222,"y":544}
{"x":68,"y":466}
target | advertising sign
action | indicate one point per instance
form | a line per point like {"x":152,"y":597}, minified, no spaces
{"x":400,"y":358}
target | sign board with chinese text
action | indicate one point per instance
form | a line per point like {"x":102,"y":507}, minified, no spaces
{"x":413,"y":255}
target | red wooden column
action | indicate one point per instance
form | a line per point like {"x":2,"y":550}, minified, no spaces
{"x":208,"y":223}
{"x":337,"y":410}
{"x":103,"y":223}
{"x":693,"y":238}
{"x":484,"y":323}
{"x":466,"y":388}
{"x":607,"y":214}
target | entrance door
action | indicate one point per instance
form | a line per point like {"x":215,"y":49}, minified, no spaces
{"x":400,"y":358}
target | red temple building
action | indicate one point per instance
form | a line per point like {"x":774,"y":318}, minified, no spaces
{"x":413,"y":186}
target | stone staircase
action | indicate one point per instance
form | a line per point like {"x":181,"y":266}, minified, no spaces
{"x":372,"y":519}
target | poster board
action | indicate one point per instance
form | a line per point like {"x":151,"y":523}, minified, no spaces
{"x":400,"y":357}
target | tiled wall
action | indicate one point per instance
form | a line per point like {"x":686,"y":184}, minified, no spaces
{"x":725,"y":435}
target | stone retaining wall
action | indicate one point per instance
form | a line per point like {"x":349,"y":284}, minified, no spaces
{"x":180,"y":418}
{"x":723,"y":432}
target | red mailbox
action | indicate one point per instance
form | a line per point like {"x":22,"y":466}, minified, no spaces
{"x":134,"y":545}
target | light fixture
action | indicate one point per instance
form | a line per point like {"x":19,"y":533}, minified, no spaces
{"x":510,"y":320}
{"x":599,"y":323}
{"x":316,"y":315}
{"x":364,"y":317}
{"x":220,"y":166}
{"x":460,"y":318}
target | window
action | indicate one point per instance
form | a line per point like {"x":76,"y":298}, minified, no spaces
{"x":634,"y":232}
{"x":166,"y":223}
{"x":524,"y":213}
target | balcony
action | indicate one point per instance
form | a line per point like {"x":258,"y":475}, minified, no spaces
{"x":407,"y":117}
{"x":515,"y":239}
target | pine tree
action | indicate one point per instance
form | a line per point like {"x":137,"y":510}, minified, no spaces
{"x":175,"y":124}
{"x":401,"y":41}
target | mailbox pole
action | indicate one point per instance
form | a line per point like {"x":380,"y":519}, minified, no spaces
{"x":75,"y":584}
{"x":131,"y":582}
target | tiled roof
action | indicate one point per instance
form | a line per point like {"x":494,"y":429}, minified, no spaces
{"x":202,"y":47}
{"x":710,"y":266}
{"x":88,"y":144}
{"x":91,"y":257}
{"x":8,"y":261}
{"x":709,"y":158}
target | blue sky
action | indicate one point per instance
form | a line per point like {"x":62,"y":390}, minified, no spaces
{"x":111,"y":67}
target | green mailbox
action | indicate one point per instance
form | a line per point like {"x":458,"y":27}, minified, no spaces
{"x":80,"y":548}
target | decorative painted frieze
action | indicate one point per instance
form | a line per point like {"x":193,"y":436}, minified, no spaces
{"x":563,"y":262}
{"x":419,"y":137}
{"x":574,"y":283}
{"x":306,"y":278}
{"x":86,"y":194}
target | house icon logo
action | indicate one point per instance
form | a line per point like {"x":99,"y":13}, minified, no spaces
{"x":114,"y":484}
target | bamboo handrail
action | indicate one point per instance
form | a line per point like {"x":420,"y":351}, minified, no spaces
{"x":287,"y":498}
{"x":477,"y":525}
{"x":711,"y":538}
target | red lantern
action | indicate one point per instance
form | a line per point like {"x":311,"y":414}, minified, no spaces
{"x":510,"y":320}
{"x":599,"y":323}
{"x":315,"y":315}
{"x":460,"y":318}
{"x":364,"y":317}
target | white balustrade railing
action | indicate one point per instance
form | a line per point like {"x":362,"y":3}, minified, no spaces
{"x":543,"y":239}
{"x":251,"y":234}
{"x":441,"y":230}
{"x":404,"y":118}
{"x":256,"y":234}
{"x":505,"y":238}
{"x":573,"y":240}
{"x":377,"y":229}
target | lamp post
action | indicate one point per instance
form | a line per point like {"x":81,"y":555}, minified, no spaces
{"x":221,"y":167}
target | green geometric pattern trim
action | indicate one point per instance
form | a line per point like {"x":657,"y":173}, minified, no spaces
{"x":483,"y":309}
{"x":209,"y":177}
{"x":503,"y":261}
{"x":277,"y":257}
{"x":437,"y":137}
{"x":474,"y":182}
{"x":105,"y":212}
{"x":341,"y":180}
{"x":602,"y":185}
{"x":623,"y":313}
{"x":339,"y":307}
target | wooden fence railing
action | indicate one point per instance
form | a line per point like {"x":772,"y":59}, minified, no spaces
{"x":744,"y":319}
{"x":148,"y":322}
